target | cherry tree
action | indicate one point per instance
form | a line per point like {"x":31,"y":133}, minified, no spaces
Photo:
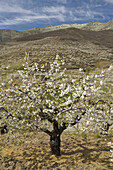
{"x":47,"y":98}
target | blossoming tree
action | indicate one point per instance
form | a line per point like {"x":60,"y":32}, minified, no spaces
{"x":45,"y":96}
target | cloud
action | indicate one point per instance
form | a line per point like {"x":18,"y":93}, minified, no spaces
{"x":49,"y":13}
{"x":19,"y":12}
{"x":86,"y":12}
{"x":62,"y":1}
{"x":14,"y":9}
{"x":15,"y":13}
{"x":55,"y":9}
{"x":109,"y":1}
{"x":11,"y":7}
{"x":30,"y":19}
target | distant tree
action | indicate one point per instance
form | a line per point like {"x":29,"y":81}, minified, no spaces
{"x":46,"y":96}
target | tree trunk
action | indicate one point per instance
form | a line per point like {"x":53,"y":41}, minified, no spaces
{"x":55,"y":139}
{"x":55,"y":144}
{"x":55,"y":136}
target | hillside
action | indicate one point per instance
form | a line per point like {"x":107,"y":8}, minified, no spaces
{"x":81,"y":48}
{"x":7,"y":35}
{"x":73,"y":34}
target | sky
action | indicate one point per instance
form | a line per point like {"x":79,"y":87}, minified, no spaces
{"x":22,"y":15}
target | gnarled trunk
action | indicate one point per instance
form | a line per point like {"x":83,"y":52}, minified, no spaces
{"x":55,"y":139}
{"x":55,"y":136}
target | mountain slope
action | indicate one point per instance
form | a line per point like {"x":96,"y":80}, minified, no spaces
{"x":7,"y":35}
{"x":103,"y":38}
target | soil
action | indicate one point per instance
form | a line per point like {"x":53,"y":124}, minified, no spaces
{"x":31,"y":151}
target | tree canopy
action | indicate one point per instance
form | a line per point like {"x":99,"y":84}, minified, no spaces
{"x":47,"y":94}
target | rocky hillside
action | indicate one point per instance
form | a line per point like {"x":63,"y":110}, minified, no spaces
{"x":93,"y":26}
{"x":7,"y":35}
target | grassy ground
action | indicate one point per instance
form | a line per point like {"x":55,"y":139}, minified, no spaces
{"x":32,"y":151}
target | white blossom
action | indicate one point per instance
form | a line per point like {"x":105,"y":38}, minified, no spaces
{"x":101,"y":82}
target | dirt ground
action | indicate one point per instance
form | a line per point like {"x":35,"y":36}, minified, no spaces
{"x":31,"y":151}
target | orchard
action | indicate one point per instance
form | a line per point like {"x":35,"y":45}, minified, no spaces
{"x":47,"y":98}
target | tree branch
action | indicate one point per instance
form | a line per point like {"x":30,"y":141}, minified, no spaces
{"x":63,"y":127}
{"x":45,"y":130}
{"x":45,"y":116}
{"x":78,"y":117}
